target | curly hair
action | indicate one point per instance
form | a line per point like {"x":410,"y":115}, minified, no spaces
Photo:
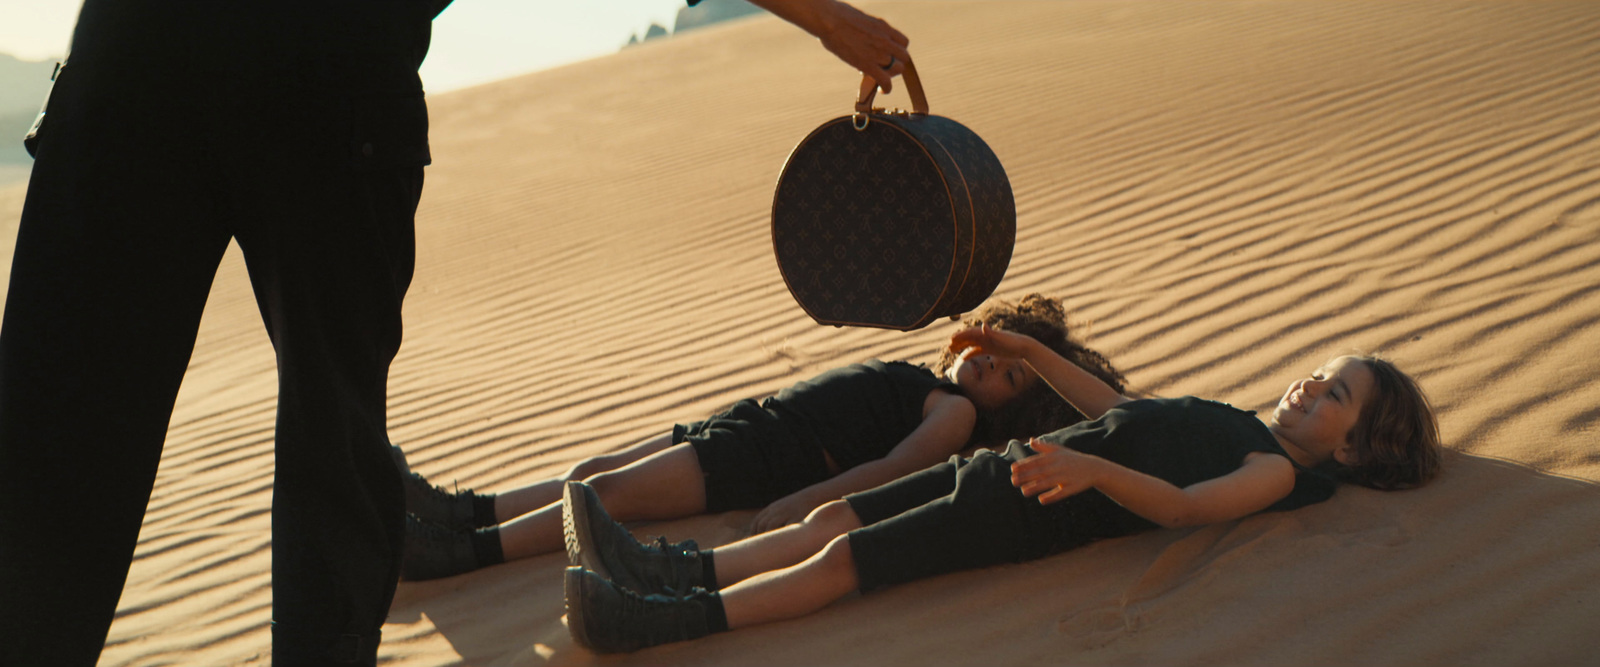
{"x":1040,"y":409}
{"x":1396,"y":437}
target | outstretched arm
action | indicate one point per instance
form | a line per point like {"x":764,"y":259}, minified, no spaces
{"x":1089,"y":394}
{"x":862,"y":41}
{"x":943,"y":432}
{"x":1057,"y":472}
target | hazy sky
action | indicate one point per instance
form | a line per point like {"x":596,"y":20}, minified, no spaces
{"x":473,"y":40}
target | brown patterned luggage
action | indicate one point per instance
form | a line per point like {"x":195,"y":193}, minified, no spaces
{"x":892,"y":219}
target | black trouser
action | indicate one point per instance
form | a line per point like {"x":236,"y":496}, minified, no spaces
{"x":965,"y":514}
{"x":133,"y":199}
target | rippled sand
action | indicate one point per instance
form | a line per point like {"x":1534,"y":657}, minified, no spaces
{"x":1224,"y":193}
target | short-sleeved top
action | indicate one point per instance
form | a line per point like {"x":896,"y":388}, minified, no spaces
{"x":858,"y":413}
{"x":1183,"y":441}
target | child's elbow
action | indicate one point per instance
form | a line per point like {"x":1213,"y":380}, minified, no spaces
{"x":1177,"y":520}
{"x":1185,"y":515}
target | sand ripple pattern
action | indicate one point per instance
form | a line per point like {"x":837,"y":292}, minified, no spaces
{"x":1225,"y":194}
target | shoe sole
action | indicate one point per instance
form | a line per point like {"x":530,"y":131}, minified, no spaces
{"x":577,"y":530}
{"x":572,"y":587}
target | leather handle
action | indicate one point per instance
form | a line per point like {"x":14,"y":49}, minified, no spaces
{"x":869,"y":90}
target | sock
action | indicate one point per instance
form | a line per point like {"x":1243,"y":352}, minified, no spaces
{"x":708,"y":572}
{"x":483,"y":510}
{"x":486,"y":546}
{"x":716,"y":616}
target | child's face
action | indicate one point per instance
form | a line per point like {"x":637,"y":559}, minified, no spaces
{"x":988,"y":380}
{"x":1317,"y":412}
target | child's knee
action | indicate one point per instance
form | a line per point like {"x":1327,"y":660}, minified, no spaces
{"x":836,"y":515}
{"x":583,"y":470}
{"x":613,"y":491}
{"x":838,"y":559}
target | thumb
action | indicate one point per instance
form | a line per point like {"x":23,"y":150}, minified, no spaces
{"x":1042,"y":446}
{"x":884,"y":78}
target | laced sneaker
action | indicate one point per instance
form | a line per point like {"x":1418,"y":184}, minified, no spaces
{"x":601,"y":545}
{"x":606,"y":618}
{"x":432,"y":551}
{"x":453,"y":510}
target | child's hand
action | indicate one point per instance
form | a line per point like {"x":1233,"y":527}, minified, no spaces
{"x":792,"y":508}
{"x":991,"y":340}
{"x":1055,"y":472}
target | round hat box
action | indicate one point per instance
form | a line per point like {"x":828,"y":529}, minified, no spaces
{"x":892,"y":219}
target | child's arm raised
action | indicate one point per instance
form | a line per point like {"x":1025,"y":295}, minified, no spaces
{"x":1090,"y":395}
{"x":1057,"y":472}
{"x":943,"y":432}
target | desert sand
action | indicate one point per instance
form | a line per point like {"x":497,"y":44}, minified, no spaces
{"x":1224,"y":193}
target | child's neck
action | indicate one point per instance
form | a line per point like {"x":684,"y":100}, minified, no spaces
{"x":1298,"y":454}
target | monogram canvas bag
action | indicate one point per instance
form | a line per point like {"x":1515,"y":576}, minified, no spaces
{"x":891,"y":218}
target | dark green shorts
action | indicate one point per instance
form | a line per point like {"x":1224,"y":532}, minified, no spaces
{"x":751,"y":456}
{"x":959,"y":515}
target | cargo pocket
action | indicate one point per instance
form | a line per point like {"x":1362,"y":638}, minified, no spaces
{"x":389,"y":132}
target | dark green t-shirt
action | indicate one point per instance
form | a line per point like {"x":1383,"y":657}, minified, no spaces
{"x":1183,"y":441}
{"x":858,"y":413}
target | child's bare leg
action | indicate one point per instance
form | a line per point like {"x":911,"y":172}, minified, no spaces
{"x":793,"y":591}
{"x":785,"y":546}
{"x":533,"y":497}
{"x":665,"y":485}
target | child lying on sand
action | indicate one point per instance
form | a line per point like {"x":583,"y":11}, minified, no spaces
{"x":1139,"y":465}
{"x":848,"y":430}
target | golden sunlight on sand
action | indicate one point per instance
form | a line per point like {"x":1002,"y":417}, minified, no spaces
{"x":1224,"y":193}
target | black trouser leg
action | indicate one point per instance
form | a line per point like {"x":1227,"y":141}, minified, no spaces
{"x":114,"y":259}
{"x":330,"y":253}
{"x":129,"y":211}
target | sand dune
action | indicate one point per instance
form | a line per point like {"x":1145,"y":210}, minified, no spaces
{"x":1224,"y":193}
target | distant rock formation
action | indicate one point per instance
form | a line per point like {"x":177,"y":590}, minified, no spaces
{"x":698,"y":16}
{"x":712,"y":11}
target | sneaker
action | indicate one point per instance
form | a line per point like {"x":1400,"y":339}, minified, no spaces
{"x":606,"y":618}
{"x":453,"y":510}
{"x":432,"y":551}
{"x":599,"y":544}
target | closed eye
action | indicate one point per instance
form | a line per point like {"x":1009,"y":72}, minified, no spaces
{"x":1340,"y":391}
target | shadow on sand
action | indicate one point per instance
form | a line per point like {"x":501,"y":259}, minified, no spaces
{"x":1490,"y":533}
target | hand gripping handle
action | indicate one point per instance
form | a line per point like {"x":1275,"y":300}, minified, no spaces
{"x":869,"y":90}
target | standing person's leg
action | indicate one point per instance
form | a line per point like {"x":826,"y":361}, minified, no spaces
{"x":114,"y":259}
{"x":326,"y":226}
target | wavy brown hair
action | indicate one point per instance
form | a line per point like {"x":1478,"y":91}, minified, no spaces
{"x":1396,"y":437}
{"x":1039,"y":410}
